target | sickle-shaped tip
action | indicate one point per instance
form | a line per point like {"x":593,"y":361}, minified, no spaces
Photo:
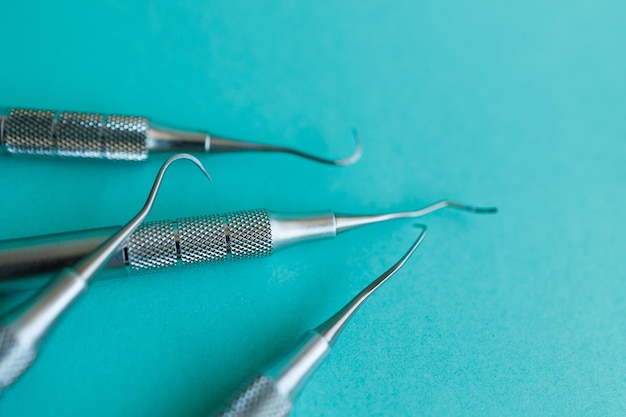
{"x":356,"y":155}
{"x":219,"y":144}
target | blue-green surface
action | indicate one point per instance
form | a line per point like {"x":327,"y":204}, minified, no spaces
{"x":516,"y":104}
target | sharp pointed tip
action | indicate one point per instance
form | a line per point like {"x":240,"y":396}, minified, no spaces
{"x":206,"y":174}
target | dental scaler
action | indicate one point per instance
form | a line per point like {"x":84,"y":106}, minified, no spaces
{"x":195,"y":240}
{"x":24,"y":328}
{"x":88,"y":135}
{"x":271,"y":392}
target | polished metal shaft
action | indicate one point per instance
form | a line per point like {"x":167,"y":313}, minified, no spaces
{"x":189,"y":241}
{"x":271,"y":392}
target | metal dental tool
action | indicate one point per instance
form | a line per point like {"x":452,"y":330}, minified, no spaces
{"x":88,"y":135}
{"x":188,"y":241}
{"x":271,"y":392}
{"x":22,"y":329}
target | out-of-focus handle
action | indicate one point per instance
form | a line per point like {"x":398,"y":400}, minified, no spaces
{"x":258,"y":398}
{"x":15,"y":357}
{"x":68,"y":134}
{"x":22,"y":329}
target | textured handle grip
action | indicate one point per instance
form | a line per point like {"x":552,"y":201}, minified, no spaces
{"x":197,"y":240}
{"x":87,"y":135}
{"x":15,"y":357}
{"x":259,"y":398}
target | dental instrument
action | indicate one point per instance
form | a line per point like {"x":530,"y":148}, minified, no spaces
{"x":189,"y":241}
{"x":89,"y":135}
{"x":23,"y":329}
{"x":272,"y":392}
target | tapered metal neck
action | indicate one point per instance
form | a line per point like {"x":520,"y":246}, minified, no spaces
{"x":164,"y":139}
{"x":332,"y":327}
{"x":291,"y":371}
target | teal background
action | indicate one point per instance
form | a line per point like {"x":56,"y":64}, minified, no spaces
{"x":515,"y":104}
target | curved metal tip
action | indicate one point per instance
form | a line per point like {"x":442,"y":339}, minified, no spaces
{"x":218,"y":144}
{"x":356,"y":154}
{"x":159,"y":178}
{"x":187,"y":156}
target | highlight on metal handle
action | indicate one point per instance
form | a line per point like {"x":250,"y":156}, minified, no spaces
{"x":258,"y":398}
{"x":88,"y":135}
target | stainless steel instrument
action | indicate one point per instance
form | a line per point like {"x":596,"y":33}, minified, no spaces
{"x":89,"y":135}
{"x":271,"y":392}
{"x":188,"y":241}
{"x":22,"y":329}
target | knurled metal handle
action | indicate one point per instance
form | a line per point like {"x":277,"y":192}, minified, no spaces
{"x":196,"y":240}
{"x":259,"y":398}
{"x":15,"y":357}
{"x":87,"y":135}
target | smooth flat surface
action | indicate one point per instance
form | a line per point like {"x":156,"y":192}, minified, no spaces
{"x":520,"y":105}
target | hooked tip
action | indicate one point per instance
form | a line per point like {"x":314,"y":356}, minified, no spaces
{"x":354,"y":157}
{"x":188,"y":157}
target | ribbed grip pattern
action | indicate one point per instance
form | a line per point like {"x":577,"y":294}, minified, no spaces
{"x":198,"y":240}
{"x":15,"y":357}
{"x":85,"y":135}
{"x":259,"y":398}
